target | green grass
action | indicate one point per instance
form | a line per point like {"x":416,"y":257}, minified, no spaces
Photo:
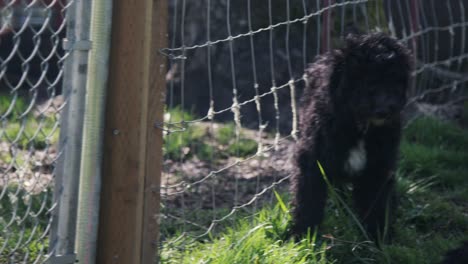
{"x":23,"y":216}
{"x":20,"y":127}
{"x":23,"y":222}
{"x":36,"y":132}
{"x":203,"y":141}
{"x":12,"y":107}
{"x":431,"y":218}
{"x":257,"y":241}
{"x":432,"y":148}
{"x":431,"y":184}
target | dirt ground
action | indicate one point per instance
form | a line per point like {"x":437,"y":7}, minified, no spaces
{"x":225,"y":183}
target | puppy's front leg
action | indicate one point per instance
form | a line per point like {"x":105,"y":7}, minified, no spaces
{"x":374,"y":197}
{"x":310,"y":194}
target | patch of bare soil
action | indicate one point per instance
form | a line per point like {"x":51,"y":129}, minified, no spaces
{"x":31,"y":170}
{"x":450,"y":111}
{"x":226,"y":183}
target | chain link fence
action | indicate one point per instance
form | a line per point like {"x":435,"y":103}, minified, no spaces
{"x":31,"y":71}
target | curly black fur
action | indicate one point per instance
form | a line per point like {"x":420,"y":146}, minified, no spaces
{"x":350,"y":122}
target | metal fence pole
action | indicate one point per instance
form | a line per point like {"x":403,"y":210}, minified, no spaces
{"x":91,"y":156}
{"x":76,"y":46}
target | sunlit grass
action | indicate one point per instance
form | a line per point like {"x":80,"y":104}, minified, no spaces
{"x":204,"y":140}
{"x":431,"y":217}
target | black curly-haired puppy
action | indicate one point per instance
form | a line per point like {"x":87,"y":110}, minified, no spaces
{"x":350,"y":123}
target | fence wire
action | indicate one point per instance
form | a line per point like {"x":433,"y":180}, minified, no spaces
{"x":235,"y":76}
{"x":31,"y":60}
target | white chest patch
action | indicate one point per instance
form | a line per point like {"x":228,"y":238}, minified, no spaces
{"x":357,"y":158}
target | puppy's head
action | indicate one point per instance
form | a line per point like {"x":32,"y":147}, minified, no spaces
{"x":373,"y":78}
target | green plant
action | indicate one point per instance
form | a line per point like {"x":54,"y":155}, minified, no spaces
{"x":26,"y":131}
{"x":431,"y":218}
{"x":23,"y":224}
{"x":203,"y":140}
{"x":12,"y":106}
{"x":249,"y":242}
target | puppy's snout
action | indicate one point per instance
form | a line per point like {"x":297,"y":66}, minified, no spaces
{"x":380,"y":116}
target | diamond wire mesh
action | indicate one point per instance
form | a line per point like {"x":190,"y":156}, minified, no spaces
{"x":31,"y":60}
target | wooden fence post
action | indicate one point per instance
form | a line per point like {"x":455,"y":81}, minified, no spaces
{"x":132,"y":162}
